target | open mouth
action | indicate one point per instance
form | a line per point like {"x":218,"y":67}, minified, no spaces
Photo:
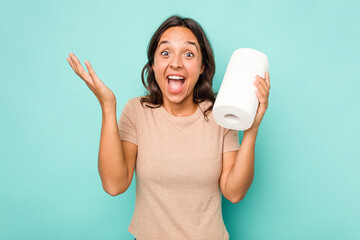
{"x":175,"y":83}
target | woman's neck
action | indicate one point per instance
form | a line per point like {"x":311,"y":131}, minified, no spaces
{"x":181,"y":109}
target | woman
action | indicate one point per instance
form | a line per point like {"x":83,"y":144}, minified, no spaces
{"x":183,"y":160}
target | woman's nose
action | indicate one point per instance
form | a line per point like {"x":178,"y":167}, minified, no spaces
{"x":176,"y":62}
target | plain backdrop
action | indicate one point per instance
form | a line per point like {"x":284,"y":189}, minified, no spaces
{"x":307,"y":182}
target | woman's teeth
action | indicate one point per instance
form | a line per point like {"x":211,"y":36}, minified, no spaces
{"x":175,"y":77}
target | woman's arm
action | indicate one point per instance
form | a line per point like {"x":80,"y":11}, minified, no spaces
{"x":238,"y":169}
{"x":116,"y":158}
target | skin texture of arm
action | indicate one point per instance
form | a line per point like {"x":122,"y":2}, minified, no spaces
{"x":116,"y":162}
{"x":238,"y":169}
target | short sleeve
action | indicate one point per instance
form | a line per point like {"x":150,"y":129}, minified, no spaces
{"x":231,"y":140}
{"x":127,"y":123}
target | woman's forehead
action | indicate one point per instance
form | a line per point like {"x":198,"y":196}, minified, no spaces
{"x":178,"y":34}
{"x":186,"y":43}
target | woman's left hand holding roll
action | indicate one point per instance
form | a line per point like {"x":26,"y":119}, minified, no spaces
{"x":263,"y":86}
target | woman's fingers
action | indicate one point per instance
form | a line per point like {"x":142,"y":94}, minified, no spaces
{"x":78,"y":69}
{"x":263,"y":82}
{"x":70,"y":62}
{"x":261,"y":85}
{"x":262,"y":98}
{"x":263,"y":90}
{"x":73,"y":64}
{"x":267,"y":79}
{"x":92,"y":73}
{"x":262,"y":93}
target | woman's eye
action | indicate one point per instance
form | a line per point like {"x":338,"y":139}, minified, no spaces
{"x":165,"y":53}
{"x":189,"y":54}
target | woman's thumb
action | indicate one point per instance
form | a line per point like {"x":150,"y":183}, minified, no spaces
{"x":92,"y":72}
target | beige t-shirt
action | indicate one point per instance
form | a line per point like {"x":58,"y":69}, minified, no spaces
{"x":178,"y":168}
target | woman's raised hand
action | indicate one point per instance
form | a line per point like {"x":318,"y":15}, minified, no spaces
{"x":262,"y":93}
{"x":105,"y":96}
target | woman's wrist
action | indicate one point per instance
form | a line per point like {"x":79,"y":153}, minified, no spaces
{"x":251,"y":131}
{"x":109,"y":108}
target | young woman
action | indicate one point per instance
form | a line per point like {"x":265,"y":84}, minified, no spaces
{"x":183,"y":160}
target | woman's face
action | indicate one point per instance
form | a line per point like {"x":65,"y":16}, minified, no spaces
{"x":177,"y":65}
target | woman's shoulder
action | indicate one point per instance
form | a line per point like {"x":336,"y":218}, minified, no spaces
{"x":134,"y":100}
{"x":138,"y":103}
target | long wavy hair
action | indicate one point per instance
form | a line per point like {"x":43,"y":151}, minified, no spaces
{"x":203,"y":88}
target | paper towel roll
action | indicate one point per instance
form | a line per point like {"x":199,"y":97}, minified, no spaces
{"x":236,"y":103}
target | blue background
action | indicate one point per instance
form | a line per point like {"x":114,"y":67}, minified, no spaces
{"x":307,"y":181}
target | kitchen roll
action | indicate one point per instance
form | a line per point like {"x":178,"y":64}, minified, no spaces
{"x":236,"y":103}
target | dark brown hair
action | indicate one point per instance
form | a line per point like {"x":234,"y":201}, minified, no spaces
{"x":203,"y":88}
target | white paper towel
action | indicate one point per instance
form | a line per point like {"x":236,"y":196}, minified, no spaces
{"x":236,"y":103}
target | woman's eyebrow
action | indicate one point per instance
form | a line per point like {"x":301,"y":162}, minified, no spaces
{"x":192,"y":43}
{"x":187,"y":42}
{"x":162,"y":43}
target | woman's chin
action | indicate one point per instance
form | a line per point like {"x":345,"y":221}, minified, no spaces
{"x":175,"y":99}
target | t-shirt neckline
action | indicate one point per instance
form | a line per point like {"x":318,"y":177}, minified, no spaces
{"x":184,"y":119}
